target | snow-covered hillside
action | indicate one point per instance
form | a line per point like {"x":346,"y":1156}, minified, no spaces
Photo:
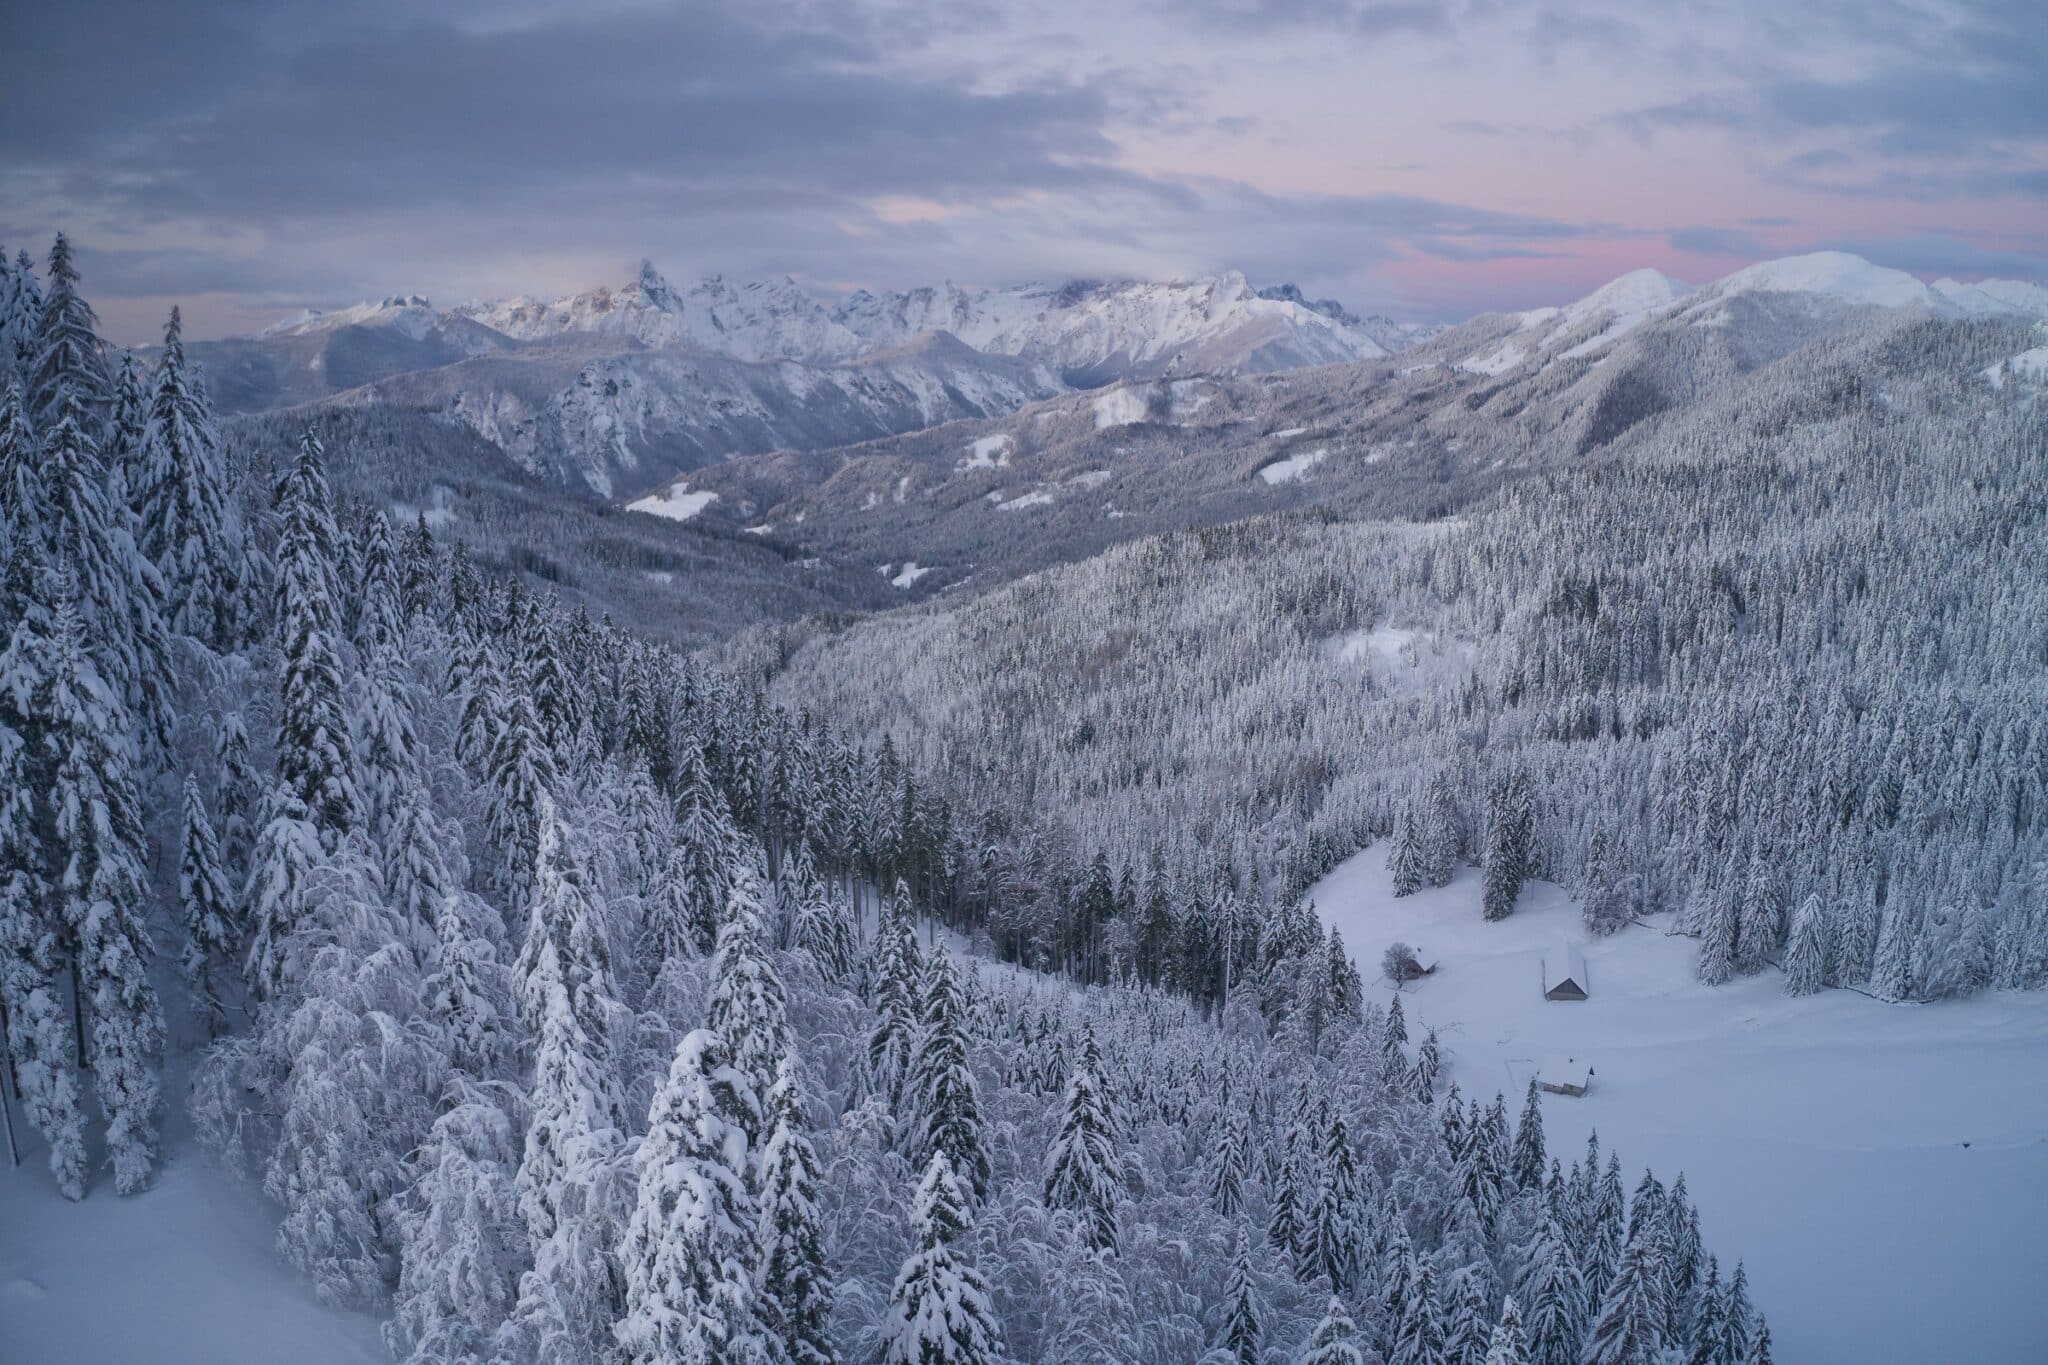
{"x":1832,"y":280}
{"x":1880,"y":1168}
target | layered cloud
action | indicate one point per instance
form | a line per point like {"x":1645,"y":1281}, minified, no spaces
{"x":1414,"y":155}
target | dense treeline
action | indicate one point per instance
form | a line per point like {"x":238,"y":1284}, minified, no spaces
{"x":548,"y":999}
{"x":1776,"y":657}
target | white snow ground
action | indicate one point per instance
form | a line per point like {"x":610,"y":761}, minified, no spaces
{"x":1824,"y":1139}
{"x":185,"y":1273}
{"x":677,"y":504}
{"x":1294,"y":466}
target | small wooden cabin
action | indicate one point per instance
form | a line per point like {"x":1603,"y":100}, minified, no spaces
{"x":1564,"y":975}
{"x":1565,"y":1076}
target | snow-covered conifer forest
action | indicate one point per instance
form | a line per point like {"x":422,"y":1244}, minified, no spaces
{"x":594,"y":938}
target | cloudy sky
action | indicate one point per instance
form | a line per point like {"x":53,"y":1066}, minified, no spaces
{"x":1425,"y":157}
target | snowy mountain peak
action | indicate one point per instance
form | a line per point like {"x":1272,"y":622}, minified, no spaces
{"x":1838,"y":275}
{"x":1640,"y":292}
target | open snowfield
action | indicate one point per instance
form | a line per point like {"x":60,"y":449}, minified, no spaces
{"x":186,"y":1273}
{"x":1883,"y":1169}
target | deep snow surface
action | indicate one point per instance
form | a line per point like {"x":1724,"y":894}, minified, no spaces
{"x":1882,"y":1169}
{"x":186,"y":1273}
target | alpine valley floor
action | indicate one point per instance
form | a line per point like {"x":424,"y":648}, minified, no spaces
{"x":1881,"y":1168}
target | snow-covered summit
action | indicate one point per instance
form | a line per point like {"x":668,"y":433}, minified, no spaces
{"x":1637,"y":295}
{"x":411,"y":314}
{"x":1829,"y":274}
{"x":1120,"y":329}
{"x":753,"y":320}
{"x":1852,"y":280}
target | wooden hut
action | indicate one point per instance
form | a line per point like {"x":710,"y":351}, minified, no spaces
{"x":1564,"y":975}
{"x":1565,"y":1076}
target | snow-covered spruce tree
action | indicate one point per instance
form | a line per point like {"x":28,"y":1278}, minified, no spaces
{"x":948,"y":1114}
{"x":125,"y":424}
{"x":102,"y":891}
{"x":1757,"y":929}
{"x":1335,"y":1340}
{"x":1442,"y":831}
{"x":569,"y":1182}
{"x":415,"y":851}
{"x":357,"y":1075}
{"x":86,"y":534}
{"x":419,"y":571}
{"x":939,"y":1310}
{"x":1510,"y":1344}
{"x":475,"y":678}
{"x":1229,"y":1161}
{"x":897,"y":974}
{"x":387,"y":749}
{"x":1891,"y":978}
{"x":1419,"y":1338}
{"x":1082,"y":1173}
{"x":181,"y":508}
{"x":794,"y":1285}
{"x":206,"y":909}
{"x":522,"y":778}
{"x":1242,"y":1329}
{"x":1718,"y":936}
{"x":464,"y":989}
{"x":378,"y":622}
{"x":279,"y":892}
{"x":41,"y":1047}
{"x":1806,"y":953}
{"x":69,"y":363}
{"x":1627,"y":1330}
{"x":1608,"y":889}
{"x":824,"y":922}
{"x":1405,"y":862}
{"x":1510,"y":821}
{"x":236,"y":790}
{"x":748,"y":1008}
{"x":21,"y":317}
{"x":705,"y":839}
{"x":687,"y":1253}
{"x":1527,"y":1160}
{"x":315,"y":755}
{"x":564,"y":930}
{"x":461,"y":1238}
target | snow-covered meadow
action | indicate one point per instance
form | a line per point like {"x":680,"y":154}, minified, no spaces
{"x":1883,"y":1169}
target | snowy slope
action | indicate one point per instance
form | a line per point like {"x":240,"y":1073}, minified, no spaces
{"x":1824,"y":1138}
{"x":185,"y":1273}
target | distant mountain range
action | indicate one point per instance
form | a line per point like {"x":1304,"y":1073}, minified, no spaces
{"x":617,"y":391}
{"x":1418,"y":434}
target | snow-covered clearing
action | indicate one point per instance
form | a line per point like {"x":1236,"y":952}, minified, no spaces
{"x":988,"y":452}
{"x":906,"y":576}
{"x":1404,"y":658}
{"x":677,"y":504}
{"x":437,"y":512}
{"x":1121,"y":407}
{"x":2030,"y":367}
{"x":185,"y":1273}
{"x":1041,"y":498}
{"x":1883,"y":1169}
{"x":1498,"y":361}
{"x":1294,"y":466}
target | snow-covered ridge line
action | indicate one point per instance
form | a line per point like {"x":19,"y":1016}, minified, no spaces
{"x":1099,"y":330}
